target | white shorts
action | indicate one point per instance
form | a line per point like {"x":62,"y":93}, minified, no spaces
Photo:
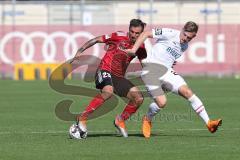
{"x":160,"y":82}
{"x":174,"y":79}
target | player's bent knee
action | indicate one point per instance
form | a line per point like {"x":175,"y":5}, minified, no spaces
{"x":139,"y":100}
{"x":106,"y":95}
{"x":161,"y":102}
{"x":135,"y":96}
{"x":107,"y":92}
{"x":185,"y":91}
{"x":189,"y":93}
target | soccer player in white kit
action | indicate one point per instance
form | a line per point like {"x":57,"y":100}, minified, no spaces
{"x":159,"y":76}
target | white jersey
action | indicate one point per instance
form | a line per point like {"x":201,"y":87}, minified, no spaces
{"x":167,"y":48}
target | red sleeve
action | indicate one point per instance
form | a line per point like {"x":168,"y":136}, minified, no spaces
{"x":115,"y":36}
{"x":107,"y":37}
{"x":141,"y":52}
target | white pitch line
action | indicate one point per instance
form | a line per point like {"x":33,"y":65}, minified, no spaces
{"x":109,"y":131}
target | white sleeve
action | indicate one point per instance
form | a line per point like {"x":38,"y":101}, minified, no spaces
{"x":163,"y":33}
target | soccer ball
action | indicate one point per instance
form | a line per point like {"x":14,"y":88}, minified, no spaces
{"x":75,"y":132}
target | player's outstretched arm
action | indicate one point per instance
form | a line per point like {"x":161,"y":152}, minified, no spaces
{"x":87,"y":45}
{"x":143,"y":36}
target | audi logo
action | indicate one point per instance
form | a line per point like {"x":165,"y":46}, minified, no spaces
{"x":27,"y":48}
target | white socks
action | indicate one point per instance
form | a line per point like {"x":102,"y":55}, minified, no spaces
{"x":198,"y":107}
{"x":152,"y":111}
{"x":195,"y":102}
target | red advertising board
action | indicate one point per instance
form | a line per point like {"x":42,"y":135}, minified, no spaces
{"x":214,"y":50}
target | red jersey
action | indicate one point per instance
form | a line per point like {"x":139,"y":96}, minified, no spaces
{"x":115,"y":60}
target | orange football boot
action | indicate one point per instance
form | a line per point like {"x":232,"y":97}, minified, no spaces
{"x":146,"y":127}
{"x":120,"y":125}
{"x":213,"y":125}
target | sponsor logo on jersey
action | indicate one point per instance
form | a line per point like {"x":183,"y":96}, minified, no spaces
{"x":173,"y":52}
{"x":120,"y":33}
{"x":158,"y":31}
{"x":107,"y":36}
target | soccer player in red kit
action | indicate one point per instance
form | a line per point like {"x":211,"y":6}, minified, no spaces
{"x":109,"y":77}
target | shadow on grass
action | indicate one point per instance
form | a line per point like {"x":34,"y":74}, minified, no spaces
{"x":91,"y":135}
{"x":153,"y":135}
{"x":190,"y":135}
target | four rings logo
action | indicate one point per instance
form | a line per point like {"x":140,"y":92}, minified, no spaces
{"x":48,"y":49}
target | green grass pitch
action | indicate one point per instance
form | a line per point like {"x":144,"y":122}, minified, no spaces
{"x":29,"y":128}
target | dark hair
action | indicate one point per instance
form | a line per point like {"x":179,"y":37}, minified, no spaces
{"x":190,"y":27}
{"x":137,"y":23}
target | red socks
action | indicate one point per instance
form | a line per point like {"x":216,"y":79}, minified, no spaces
{"x":128,"y":111}
{"x":96,"y":102}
